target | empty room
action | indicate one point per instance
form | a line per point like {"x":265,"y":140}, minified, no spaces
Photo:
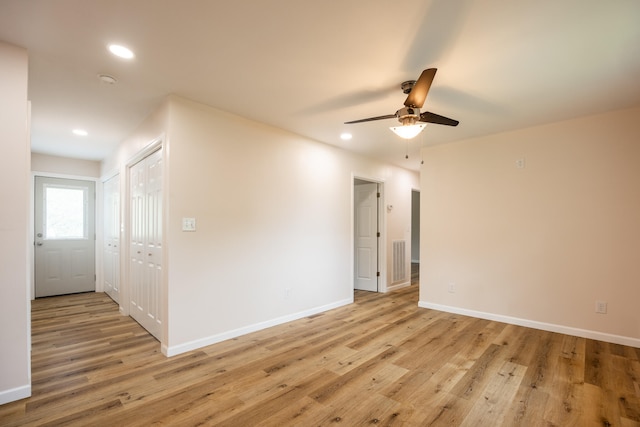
{"x":310,"y":213}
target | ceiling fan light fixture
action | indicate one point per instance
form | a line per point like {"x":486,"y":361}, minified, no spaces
{"x":408,"y":131}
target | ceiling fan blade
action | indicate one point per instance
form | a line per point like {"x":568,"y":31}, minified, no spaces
{"x":370,"y":119}
{"x":419,"y":92}
{"x":440,"y":120}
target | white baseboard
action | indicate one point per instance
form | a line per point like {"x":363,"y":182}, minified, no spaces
{"x":14,"y":394}
{"x":193,"y":345}
{"x":398,"y":286}
{"x":550,"y":327}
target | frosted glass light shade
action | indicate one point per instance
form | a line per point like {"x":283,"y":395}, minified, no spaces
{"x":408,"y":132}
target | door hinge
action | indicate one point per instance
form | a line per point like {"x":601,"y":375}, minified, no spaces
{"x":378,"y":195}
{"x":378,"y":234}
{"x":377,"y":274}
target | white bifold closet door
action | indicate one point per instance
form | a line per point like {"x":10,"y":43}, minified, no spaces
{"x":145,"y":243}
{"x":111,"y":229}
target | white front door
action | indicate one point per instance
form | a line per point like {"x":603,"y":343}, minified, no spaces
{"x":64,"y":236}
{"x":145,"y":245}
{"x":366,"y":237}
{"x":111,"y":229}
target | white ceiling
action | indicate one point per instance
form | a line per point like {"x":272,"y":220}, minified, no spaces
{"x":308,"y":66}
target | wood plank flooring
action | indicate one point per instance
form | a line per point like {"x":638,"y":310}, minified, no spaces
{"x":380,"y":361}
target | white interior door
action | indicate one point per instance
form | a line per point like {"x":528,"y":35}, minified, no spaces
{"x":145,"y":246}
{"x":366,"y":237}
{"x":65,"y":236}
{"x":111,"y":231}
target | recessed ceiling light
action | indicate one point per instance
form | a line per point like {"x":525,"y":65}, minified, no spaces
{"x":346,"y":136}
{"x":121,"y":51}
{"x":80,"y":132}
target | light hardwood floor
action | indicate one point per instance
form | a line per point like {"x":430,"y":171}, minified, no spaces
{"x":380,"y":361}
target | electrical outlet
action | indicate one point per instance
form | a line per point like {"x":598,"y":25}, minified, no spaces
{"x":188,"y":224}
{"x":601,"y":307}
{"x":520,"y":163}
{"x":451,"y":287}
{"x":287,"y":293}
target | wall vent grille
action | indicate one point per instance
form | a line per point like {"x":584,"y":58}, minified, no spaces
{"x":399,"y":261}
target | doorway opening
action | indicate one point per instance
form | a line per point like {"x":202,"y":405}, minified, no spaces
{"x":415,"y":237}
{"x":366,"y":227}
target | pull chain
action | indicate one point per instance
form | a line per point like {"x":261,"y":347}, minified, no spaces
{"x":422,"y":149}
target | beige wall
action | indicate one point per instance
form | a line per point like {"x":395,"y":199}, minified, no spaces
{"x":64,"y":166}
{"x":15,"y":368}
{"x":155,"y":126}
{"x":274,"y":221}
{"x":538,"y":245}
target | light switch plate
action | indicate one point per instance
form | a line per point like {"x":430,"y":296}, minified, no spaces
{"x":188,"y":224}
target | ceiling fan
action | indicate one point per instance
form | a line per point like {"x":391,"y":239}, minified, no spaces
{"x":410,"y":113}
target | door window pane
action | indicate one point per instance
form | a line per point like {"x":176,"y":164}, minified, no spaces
{"x":65,"y":213}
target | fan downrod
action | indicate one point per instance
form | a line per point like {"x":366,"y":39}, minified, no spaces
{"x":407,"y":86}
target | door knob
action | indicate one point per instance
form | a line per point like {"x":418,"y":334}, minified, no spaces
{"x":39,"y":243}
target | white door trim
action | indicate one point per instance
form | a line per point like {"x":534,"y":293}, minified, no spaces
{"x":153,"y":146}
{"x":382,"y":221}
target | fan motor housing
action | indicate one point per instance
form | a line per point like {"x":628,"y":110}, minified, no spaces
{"x":408,"y":115}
